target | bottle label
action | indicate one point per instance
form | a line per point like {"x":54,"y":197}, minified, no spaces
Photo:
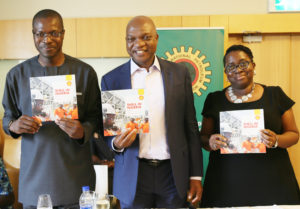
{"x":86,"y":207}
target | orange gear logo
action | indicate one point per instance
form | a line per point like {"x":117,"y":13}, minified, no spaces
{"x":196,"y":65}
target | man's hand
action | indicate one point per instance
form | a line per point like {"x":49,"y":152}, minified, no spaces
{"x":125,"y":139}
{"x":72,"y":127}
{"x":195,"y":193}
{"x":25,"y":125}
{"x":96,"y":160}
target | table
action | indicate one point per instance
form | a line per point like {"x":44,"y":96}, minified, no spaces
{"x":265,"y":207}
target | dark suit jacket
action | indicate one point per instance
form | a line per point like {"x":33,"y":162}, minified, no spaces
{"x":181,"y":130}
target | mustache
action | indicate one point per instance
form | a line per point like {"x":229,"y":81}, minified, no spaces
{"x":45,"y":45}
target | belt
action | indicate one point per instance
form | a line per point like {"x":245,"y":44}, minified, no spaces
{"x":154,"y":162}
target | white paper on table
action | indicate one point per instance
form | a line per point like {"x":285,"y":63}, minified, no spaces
{"x":101,"y":179}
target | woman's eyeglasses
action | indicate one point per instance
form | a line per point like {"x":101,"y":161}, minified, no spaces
{"x":231,"y":68}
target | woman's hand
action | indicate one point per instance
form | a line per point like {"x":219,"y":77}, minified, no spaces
{"x":268,"y":137}
{"x":217,"y":141}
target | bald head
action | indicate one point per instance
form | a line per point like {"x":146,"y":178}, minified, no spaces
{"x":141,"y":41}
{"x":141,"y":20}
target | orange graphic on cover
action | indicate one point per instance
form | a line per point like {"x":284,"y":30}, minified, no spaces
{"x":145,"y":126}
{"x":60,"y":112}
{"x":132,"y":125}
{"x":74,"y":112}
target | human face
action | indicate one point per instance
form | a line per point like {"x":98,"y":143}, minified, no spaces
{"x":141,"y":42}
{"x":241,"y":76}
{"x":48,"y":36}
{"x":110,"y":120}
{"x":38,"y":106}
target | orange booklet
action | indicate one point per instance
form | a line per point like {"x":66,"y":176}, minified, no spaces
{"x":242,"y":129}
{"x":53,"y":97}
{"x":124,"y":109}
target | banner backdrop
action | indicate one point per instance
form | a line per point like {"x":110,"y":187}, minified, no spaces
{"x":201,"y":50}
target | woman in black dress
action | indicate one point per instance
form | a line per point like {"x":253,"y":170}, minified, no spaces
{"x":249,"y":179}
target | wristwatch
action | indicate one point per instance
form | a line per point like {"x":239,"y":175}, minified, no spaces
{"x":276,"y":142}
{"x":9,"y":124}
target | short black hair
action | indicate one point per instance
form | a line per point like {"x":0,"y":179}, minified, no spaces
{"x":45,"y":13}
{"x":238,"y":48}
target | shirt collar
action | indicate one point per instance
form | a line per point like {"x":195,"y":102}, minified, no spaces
{"x":134,"y":67}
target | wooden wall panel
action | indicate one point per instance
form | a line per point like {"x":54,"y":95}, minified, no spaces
{"x":167,"y":21}
{"x":272,"y":59}
{"x":195,"y":21}
{"x":69,"y":45}
{"x":16,"y":39}
{"x":222,"y":21}
{"x":104,"y":37}
{"x":267,"y":23}
{"x":101,"y":37}
{"x":295,"y":86}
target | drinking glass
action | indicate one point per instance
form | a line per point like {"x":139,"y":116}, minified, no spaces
{"x":102,"y":201}
{"x":44,"y":202}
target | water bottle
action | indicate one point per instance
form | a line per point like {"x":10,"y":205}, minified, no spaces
{"x":86,"y":200}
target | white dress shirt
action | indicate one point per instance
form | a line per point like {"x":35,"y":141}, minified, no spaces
{"x":153,"y":145}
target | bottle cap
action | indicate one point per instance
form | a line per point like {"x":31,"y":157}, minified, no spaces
{"x":85,"y":188}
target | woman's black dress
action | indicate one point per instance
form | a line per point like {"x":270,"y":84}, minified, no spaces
{"x":250,"y":179}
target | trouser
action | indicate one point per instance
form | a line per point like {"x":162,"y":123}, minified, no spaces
{"x":155,"y":187}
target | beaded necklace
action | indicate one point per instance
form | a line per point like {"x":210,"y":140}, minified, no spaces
{"x":235,"y":98}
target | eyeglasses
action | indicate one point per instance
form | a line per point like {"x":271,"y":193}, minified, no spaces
{"x":231,"y":68}
{"x":52,"y":34}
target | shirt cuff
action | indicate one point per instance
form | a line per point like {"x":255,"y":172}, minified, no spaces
{"x":199,"y":178}
{"x":113,"y":147}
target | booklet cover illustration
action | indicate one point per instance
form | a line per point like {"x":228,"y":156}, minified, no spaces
{"x":53,"y":97}
{"x":123,"y":109}
{"x":242,"y":129}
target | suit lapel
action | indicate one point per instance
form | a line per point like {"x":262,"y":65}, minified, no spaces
{"x":125,"y":77}
{"x":167,"y":76}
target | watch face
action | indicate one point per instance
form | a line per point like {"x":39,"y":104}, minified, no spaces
{"x":276,"y":142}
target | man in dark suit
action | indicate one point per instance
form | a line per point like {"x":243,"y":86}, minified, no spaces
{"x":164,"y":167}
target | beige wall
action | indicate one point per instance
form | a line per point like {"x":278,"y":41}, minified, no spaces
{"x":25,"y":9}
